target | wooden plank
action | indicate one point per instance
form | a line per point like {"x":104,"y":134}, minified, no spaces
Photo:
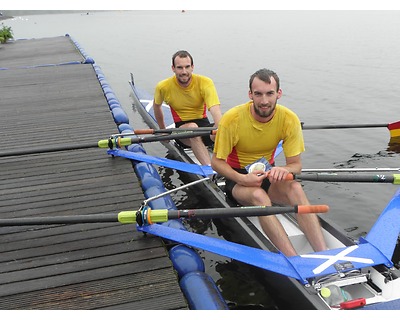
{"x":78,"y":266}
{"x":33,"y":52}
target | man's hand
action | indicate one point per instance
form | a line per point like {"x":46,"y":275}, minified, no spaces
{"x":277,"y":174}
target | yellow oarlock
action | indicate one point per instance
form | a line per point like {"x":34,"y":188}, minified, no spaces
{"x":116,"y":142}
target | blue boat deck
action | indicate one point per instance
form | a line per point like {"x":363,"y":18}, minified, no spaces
{"x":50,"y":98}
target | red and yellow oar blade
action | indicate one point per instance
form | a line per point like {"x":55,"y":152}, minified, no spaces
{"x":394,"y":129}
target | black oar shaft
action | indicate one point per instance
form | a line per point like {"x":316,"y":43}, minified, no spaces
{"x":232,"y":212}
{"x":379,"y":178}
{"x":326,"y":170}
{"x":45,"y":149}
{"x":344,"y":126}
{"x":172,"y":130}
{"x":149,"y":216}
{"x":172,"y":136}
{"x":146,"y":215}
{"x":60,"y":220}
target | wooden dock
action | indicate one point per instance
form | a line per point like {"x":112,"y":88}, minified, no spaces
{"x":47,"y":103}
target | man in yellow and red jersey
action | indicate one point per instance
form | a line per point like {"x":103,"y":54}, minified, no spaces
{"x":189,"y":96}
{"x":252,"y":131}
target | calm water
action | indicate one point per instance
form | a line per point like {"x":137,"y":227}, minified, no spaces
{"x":336,"y":67}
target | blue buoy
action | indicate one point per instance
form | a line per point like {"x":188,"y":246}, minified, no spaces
{"x":124,"y":127}
{"x":110,"y":95}
{"x":88,"y":60}
{"x":150,"y":182}
{"x":114,"y":104}
{"x":201,"y":292}
{"x":185,"y":260}
{"x":119,"y":116}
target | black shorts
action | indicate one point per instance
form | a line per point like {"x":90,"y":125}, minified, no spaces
{"x":200,"y":123}
{"x":229,"y":184}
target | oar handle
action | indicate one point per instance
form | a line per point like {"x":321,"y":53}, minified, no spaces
{"x":316,"y":208}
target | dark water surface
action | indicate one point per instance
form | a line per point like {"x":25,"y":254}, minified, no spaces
{"x":336,"y":67}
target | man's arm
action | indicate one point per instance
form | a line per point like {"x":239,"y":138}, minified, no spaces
{"x":293,"y":164}
{"x":159,"y":114}
{"x":216,"y":114}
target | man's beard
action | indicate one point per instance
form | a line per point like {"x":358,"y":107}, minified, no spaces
{"x":186,"y":82}
{"x":264,"y":113}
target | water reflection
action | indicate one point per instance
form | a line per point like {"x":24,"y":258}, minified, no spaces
{"x":240,"y":289}
{"x":394,"y":145}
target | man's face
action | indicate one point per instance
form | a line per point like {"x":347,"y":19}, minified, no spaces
{"x":264,"y":96}
{"x":183,"y":70}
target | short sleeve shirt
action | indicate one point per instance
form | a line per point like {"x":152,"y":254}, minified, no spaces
{"x":241,"y":139}
{"x":187,"y":103}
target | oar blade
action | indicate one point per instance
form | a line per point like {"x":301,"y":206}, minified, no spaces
{"x":394,"y":129}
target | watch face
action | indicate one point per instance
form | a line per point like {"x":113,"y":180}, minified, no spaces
{"x":257,"y":166}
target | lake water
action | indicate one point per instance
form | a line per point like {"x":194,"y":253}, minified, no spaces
{"x":336,"y":67}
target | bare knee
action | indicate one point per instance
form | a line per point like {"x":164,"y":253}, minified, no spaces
{"x":260,"y":197}
{"x":296,"y":188}
{"x":250,"y":196}
{"x":189,"y":125}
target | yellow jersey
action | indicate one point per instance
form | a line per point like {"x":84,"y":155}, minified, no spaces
{"x":187,"y":103}
{"x":241,"y":139}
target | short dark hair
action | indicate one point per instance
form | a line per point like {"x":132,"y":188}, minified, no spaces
{"x":182,"y":54}
{"x":265,"y":75}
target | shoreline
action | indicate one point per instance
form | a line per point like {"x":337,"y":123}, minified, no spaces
{"x":5,"y":17}
{"x":9,"y":14}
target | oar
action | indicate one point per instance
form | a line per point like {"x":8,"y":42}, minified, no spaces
{"x":169,"y":130}
{"x":112,"y":142}
{"x":146,"y":215}
{"x":44,"y":149}
{"x":393,"y":127}
{"x":352,"y":170}
{"x":93,"y":218}
{"x":118,"y":141}
{"x":332,"y":177}
{"x":149,"y":216}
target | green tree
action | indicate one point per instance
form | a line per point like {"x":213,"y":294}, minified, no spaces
{"x":5,"y":33}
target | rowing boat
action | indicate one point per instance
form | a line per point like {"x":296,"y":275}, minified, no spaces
{"x":365,"y":269}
